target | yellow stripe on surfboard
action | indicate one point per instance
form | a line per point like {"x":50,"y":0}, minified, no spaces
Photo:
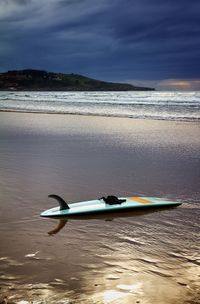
{"x":140,"y":200}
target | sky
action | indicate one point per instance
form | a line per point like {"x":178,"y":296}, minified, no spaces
{"x":144,"y":42}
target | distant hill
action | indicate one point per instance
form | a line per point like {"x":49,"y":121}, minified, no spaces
{"x":35,"y":80}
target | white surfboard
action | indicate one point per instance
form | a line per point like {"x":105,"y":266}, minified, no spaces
{"x":100,"y":206}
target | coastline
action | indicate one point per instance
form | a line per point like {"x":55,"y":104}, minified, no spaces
{"x":169,"y":106}
{"x":98,"y":261}
{"x":195,"y":120}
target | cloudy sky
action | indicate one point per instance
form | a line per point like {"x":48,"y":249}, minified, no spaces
{"x":147,"y":42}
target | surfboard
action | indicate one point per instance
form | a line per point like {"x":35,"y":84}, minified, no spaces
{"x":99,"y":206}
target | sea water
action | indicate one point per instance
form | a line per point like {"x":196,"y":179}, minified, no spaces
{"x":184,"y":106}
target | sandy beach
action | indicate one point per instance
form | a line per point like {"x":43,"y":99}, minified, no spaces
{"x":149,"y":258}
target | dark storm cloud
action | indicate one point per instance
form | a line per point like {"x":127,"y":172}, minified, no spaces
{"x":156,"y":18}
{"x":19,"y":2}
{"x":116,"y":40}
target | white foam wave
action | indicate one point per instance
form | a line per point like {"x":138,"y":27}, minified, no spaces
{"x":154,"y":105}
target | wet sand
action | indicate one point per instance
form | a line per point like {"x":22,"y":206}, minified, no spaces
{"x":144,"y":258}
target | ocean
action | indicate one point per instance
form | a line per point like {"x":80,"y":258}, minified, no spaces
{"x":182,"y":106}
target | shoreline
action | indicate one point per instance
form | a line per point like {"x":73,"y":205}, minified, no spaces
{"x":193,"y":120}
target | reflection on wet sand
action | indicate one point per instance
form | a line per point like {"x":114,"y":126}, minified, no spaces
{"x":60,"y":226}
{"x":113,"y":266}
{"x":107,"y":217}
{"x":98,"y":286}
{"x":147,"y":259}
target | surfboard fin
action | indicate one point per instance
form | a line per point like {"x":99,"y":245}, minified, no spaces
{"x":62,"y":203}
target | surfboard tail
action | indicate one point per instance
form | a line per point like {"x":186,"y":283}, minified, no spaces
{"x":60,"y":200}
